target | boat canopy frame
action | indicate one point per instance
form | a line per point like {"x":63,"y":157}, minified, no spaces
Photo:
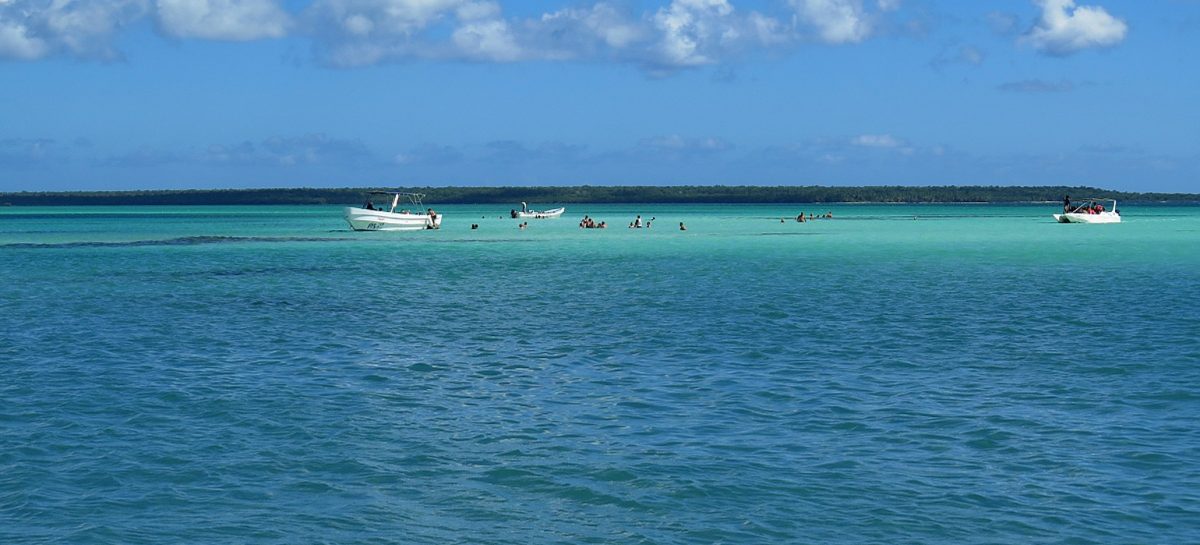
{"x":1081,"y":206}
{"x":415,"y":199}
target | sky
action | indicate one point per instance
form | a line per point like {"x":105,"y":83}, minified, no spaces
{"x":165,"y":94}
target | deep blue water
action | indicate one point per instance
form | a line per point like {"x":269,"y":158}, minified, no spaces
{"x":903,"y":374}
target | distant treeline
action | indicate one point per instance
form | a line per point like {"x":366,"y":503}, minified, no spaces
{"x":593,"y":194}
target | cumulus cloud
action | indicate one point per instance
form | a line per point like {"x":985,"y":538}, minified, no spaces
{"x":690,"y":27}
{"x":18,"y":42}
{"x":84,"y":28}
{"x":234,"y":20}
{"x":689,"y":33}
{"x":676,"y":34}
{"x":488,"y":40}
{"x":31,"y":29}
{"x":680,"y":34}
{"x":837,"y":21}
{"x":362,"y":32}
{"x":1065,"y":28}
{"x":380,"y":18}
{"x":599,"y":30}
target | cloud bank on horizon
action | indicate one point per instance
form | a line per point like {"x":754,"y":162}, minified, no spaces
{"x":121,"y":94}
{"x":349,"y":33}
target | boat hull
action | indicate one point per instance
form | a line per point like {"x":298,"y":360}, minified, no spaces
{"x":544,"y":214}
{"x":1103,"y":217}
{"x":361,"y":219}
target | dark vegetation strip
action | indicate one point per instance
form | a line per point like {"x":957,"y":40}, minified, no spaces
{"x":594,"y":194}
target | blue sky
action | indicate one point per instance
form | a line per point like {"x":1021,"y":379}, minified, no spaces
{"x":141,"y":94}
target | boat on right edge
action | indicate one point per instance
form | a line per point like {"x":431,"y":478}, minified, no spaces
{"x":1089,"y":211}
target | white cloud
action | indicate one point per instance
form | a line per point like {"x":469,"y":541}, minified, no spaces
{"x":678,"y":34}
{"x":83,"y":28}
{"x":236,"y":20}
{"x":16,"y":42}
{"x":837,"y":21}
{"x":1065,"y":28}
{"x":363,"y":32}
{"x":683,"y":33}
{"x":382,"y":18}
{"x":576,"y":32}
{"x":876,"y":141}
{"x":487,"y":40}
{"x":679,"y":144}
{"x":689,"y":27}
{"x":475,"y":11}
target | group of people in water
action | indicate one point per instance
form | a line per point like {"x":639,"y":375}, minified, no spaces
{"x":637,"y":223}
{"x":590,"y":223}
{"x":811,"y":217}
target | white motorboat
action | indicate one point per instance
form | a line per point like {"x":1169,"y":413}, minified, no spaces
{"x":525,"y":212}
{"x":390,"y":216}
{"x":1089,"y":211}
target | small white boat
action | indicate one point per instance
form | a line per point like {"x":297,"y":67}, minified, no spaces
{"x":1089,"y":211}
{"x":390,"y":217}
{"x":525,"y":212}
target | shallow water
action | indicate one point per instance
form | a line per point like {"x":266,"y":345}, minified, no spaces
{"x":898,"y":374}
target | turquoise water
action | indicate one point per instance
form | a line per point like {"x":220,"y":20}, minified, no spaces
{"x":898,"y":374}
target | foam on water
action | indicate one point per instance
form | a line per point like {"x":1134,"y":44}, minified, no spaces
{"x":976,"y":375}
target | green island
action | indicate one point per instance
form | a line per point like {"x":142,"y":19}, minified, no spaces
{"x":594,"y":194}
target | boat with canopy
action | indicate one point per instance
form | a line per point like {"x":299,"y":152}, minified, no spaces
{"x":401,"y":211}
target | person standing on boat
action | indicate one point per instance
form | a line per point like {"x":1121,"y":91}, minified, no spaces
{"x":1066,"y":203}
